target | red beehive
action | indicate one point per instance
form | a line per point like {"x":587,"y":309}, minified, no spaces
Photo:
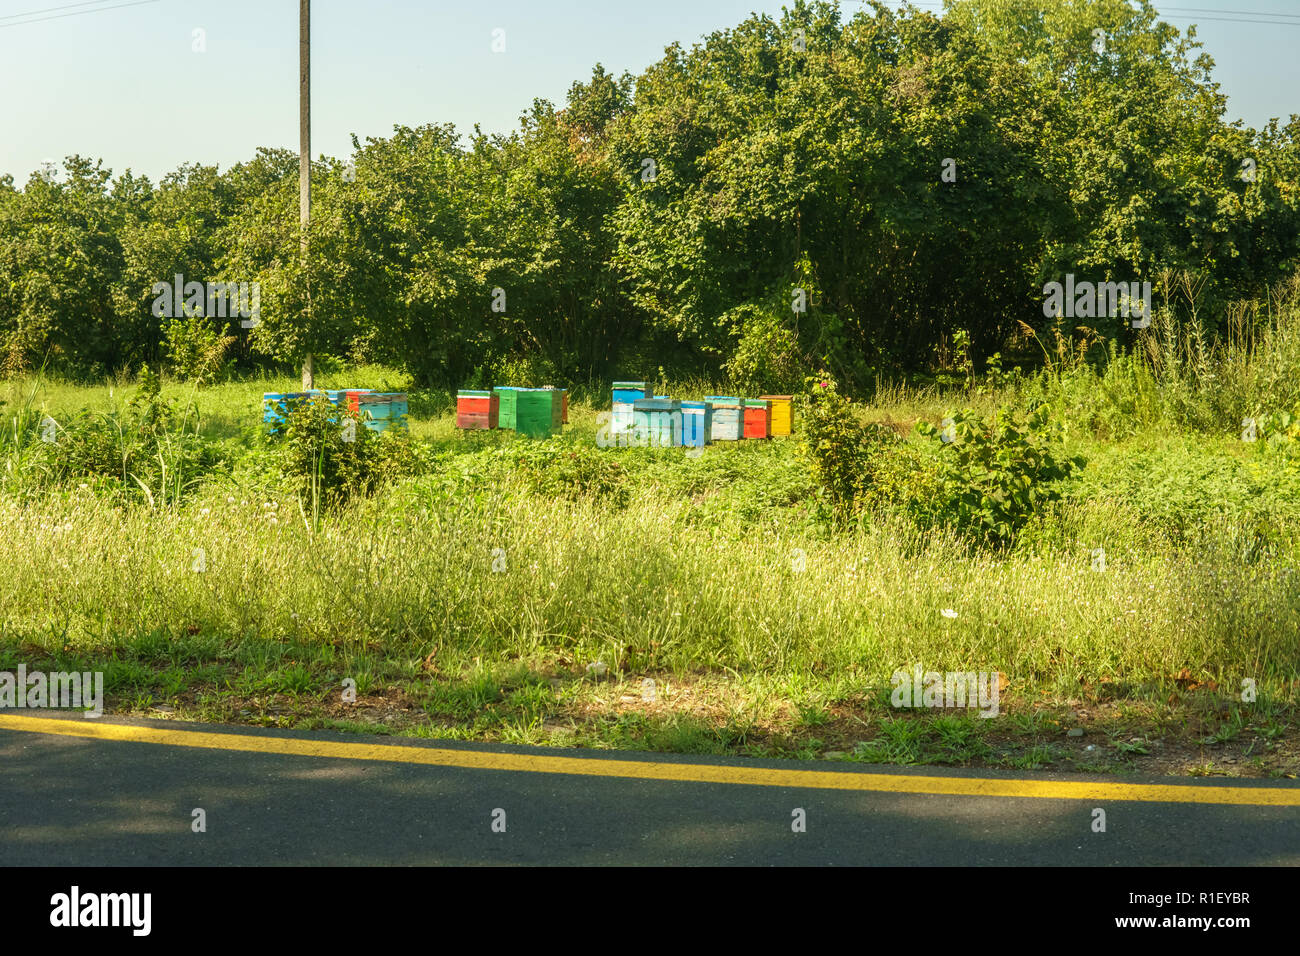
{"x":477,"y":409}
{"x":350,"y":399}
{"x":758,"y":418}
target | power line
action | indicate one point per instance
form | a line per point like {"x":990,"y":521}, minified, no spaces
{"x":76,"y":13}
{"x":1243,"y":13}
{"x":1276,"y":23}
{"x":69,"y":6}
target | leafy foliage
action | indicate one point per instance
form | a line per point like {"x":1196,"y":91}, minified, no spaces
{"x":664,"y":219}
{"x":196,"y":348}
{"x":151,"y":447}
{"x":999,"y":472}
{"x":838,"y":446}
{"x":329,"y":457}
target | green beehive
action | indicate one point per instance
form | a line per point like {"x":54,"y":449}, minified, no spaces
{"x":537,"y":412}
{"x":506,"y":395}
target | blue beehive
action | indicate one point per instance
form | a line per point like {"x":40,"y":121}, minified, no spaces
{"x":276,"y":404}
{"x":628,"y":392}
{"x":382,"y":410}
{"x":728,"y":423}
{"x":658,"y":422}
{"x":697,"y":423}
{"x":621,"y":422}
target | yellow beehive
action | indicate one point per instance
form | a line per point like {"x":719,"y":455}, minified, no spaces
{"x":782,"y":413}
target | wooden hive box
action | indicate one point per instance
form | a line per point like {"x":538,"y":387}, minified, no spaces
{"x":629,"y":392}
{"x":276,"y":404}
{"x":350,"y":398}
{"x":563,"y":404}
{"x":380,"y":411}
{"x":537,"y":412}
{"x":621,"y":422}
{"x":507,"y":397}
{"x":658,"y":422}
{"x":728,"y":418}
{"x":758,"y":418}
{"x":782,"y":414}
{"x":476,"y":409}
{"x":697,"y":423}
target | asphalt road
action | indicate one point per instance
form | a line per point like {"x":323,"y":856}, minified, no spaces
{"x":127,"y":796}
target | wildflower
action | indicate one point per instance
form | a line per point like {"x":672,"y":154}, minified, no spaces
{"x":948,"y":612}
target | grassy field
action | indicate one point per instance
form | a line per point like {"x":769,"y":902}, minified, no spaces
{"x":469,"y":600}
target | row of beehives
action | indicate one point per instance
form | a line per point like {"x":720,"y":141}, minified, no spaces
{"x":376,"y":410}
{"x":642,"y":418}
{"x":536,"y":412}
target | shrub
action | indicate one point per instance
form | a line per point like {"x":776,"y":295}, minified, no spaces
{"x":329,"y":457}
{"x":196,"y":349}
{"x":839,"y":447}
{"x":997,"y":473}
{"x":907,"y":479}
{"x":569,"y":471}
{"x":150,"y":447}
{"x":767,"y":355}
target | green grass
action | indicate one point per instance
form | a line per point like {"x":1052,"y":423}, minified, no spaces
{"x":677,"y":569}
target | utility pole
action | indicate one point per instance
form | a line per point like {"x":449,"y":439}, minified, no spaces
{"x":304,"y":160}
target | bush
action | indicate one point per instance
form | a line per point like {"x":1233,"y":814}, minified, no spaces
{"x":570,"y":472}
{"x":151,"y":447}
{"x":907,"y":479}
{"x":1278,"y":433}
{"x":767,"y":356}
{"x":196,"y":349}
{"x":329,"y":456}
{"x":839,"y":447}
{"x":998,"y":473}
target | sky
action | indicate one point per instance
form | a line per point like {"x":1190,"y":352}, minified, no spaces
{"x":127,"y":82}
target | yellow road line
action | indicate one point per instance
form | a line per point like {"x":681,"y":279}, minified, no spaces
{"x":654,"y":770}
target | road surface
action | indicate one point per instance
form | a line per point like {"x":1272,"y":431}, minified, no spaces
{"x":115,"y":791}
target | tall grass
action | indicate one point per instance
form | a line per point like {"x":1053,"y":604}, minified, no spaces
{"x":1176,"y":374}
{"x":643,"y":588}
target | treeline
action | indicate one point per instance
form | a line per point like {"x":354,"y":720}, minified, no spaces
{"x":818,"y":191}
